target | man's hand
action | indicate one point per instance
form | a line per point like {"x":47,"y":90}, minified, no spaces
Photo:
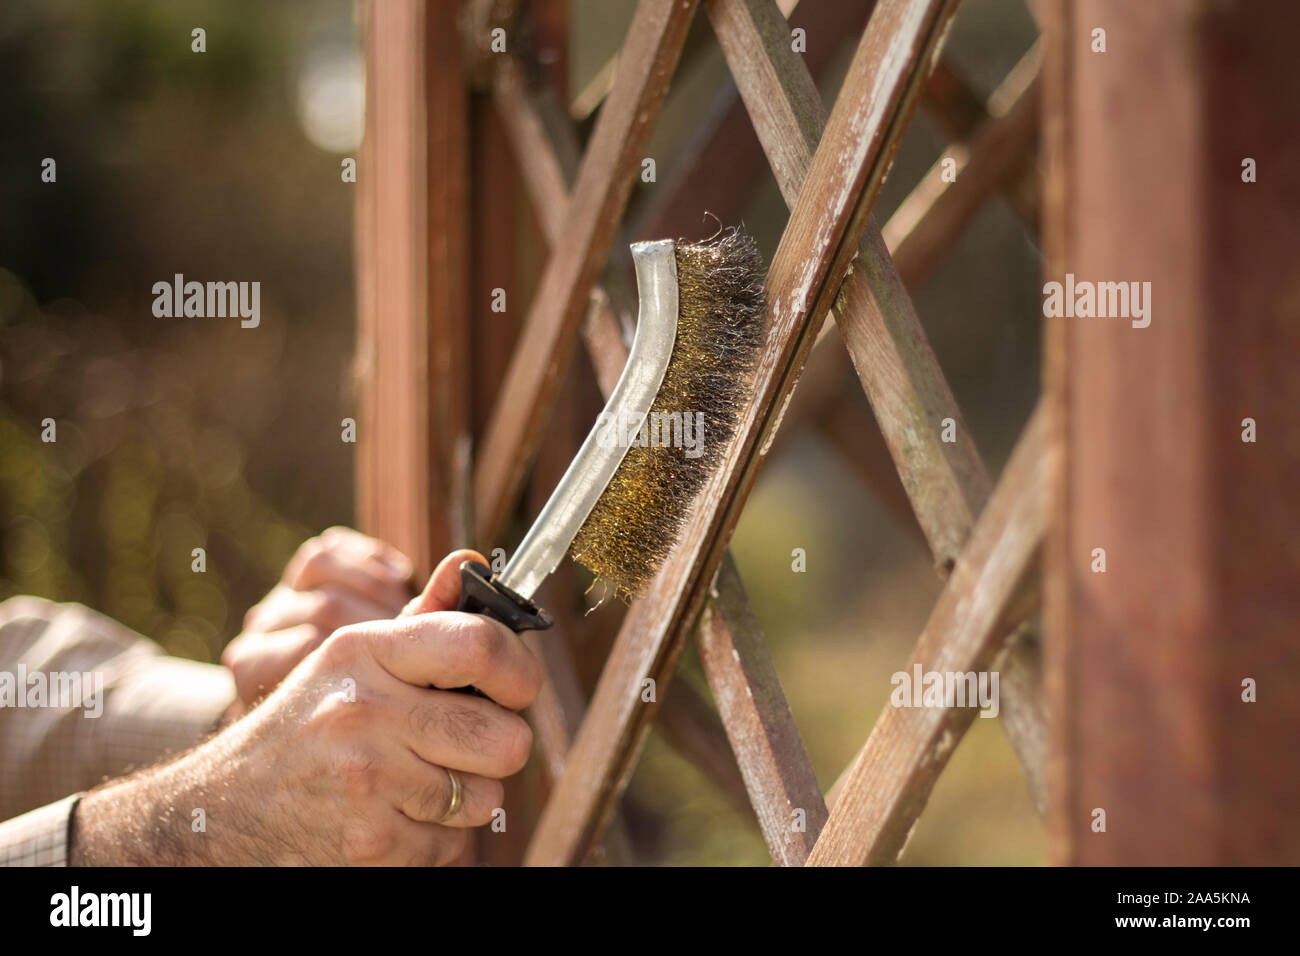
{"x":342,"y":577}
{"x":347,"y":760}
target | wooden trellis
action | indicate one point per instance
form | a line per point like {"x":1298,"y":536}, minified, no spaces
{"x":432,"y":230}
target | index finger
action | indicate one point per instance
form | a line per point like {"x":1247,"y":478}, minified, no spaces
{"x":451,"y":649}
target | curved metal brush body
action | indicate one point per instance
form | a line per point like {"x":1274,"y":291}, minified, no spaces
{"x":620,"y":506}
{"x":598,"y":459}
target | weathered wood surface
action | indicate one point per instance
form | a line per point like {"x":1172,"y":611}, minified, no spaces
{"x":687,"y":722}
{"x":782,"y":786}
{"x":989,"y":592}
{"x":411,"y":227}
{"x":947,"y":484}
{"x":721,"y":164}
{"x":1146,"y":662}
{"x":690,"y":725}
{"x":931,"y":219}
{"x":819,"y":242}
{"x":604,"y":181}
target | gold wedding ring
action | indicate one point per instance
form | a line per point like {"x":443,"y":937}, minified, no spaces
{"x":456,"y":795}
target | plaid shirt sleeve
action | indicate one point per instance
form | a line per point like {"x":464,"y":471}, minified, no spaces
{"x":82,"y":699}
{"x":38,"y":838}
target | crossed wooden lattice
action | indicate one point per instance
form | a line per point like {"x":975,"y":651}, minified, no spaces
{"x":416,"y":473}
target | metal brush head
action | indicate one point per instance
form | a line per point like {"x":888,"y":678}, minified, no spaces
{"x":671,"y":454}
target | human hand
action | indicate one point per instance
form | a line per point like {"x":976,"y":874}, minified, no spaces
{"x":341,"y":577}
{"x":349,"y":760}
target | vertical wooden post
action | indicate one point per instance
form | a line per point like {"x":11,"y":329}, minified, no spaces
{"x":412,"y":271}
{"x":1146,"y":662}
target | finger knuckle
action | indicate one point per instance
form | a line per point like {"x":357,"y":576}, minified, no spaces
{"x":338,"y":534}
{"x":314,"y":565}
{"x":465,"y":728}
{"x":423,"y":719}
{"x":479,"y":646}
{"x":534,"y":677}
{"x":366,"y":840}
{"x":326,"y":611}
{"x":234,"y":655}
{"x":516,"y":746}
{"x":307,"y":552}
{"x":360,"y":772}
{"x":343,"y":717}
{"x":345,"y":646}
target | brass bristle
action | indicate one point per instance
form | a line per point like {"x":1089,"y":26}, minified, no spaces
{"x":720,"y":331}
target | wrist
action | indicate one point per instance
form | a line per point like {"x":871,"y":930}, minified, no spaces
{"x":146,"y":819}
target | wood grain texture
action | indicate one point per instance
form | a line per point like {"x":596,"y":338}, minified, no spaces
{"x":1147,"y":661}
{"x":411,"y":219}
{"x":946,"y":484}
{"x":689,"y":725}
{"x":551,"y":331}
{"x":888,"y":784}
{"x":778,"y":776}
{"x":722,"y":162}
{"x":688,"y":722}
{"x":820,"y":240}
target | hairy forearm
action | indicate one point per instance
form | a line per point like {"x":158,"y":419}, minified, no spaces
{"x":184,"y":812}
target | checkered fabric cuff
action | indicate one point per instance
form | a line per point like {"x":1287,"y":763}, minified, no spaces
{"x":38,"y":838}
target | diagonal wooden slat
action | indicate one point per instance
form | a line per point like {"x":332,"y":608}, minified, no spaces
{"x":782,"y":786}
{"x":991,"y":590}
{"x":822,"y":403}
{"x":946,"y":483}
{"x":688,"y":723}
{"x":720,"y":165}
{"x":545,"y":348}
{"x":814,"y":254}
{"x":951,"y":104}
{"x":683,"y":718}
{"x":958,"y":112}
{"x":931,"y":218}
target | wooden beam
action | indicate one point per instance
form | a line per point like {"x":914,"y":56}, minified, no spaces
{"x":950,"y":103}
{"x":591,"y":96}
{"x":816,"y":248}
{"x":1147,"y":661}
{"x":990,"y":592}
{"x":411,"y":285}
{"x":608,"y":168}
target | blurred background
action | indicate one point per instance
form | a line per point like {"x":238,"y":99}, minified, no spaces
{"x":174,"y":434}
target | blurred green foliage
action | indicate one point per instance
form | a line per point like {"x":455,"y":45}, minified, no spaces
{"x":171,"y":434}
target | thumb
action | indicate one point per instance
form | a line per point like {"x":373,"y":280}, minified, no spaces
{"x":442,"y":593}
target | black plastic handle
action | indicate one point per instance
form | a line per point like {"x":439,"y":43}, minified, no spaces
{"x":482,"y":593}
